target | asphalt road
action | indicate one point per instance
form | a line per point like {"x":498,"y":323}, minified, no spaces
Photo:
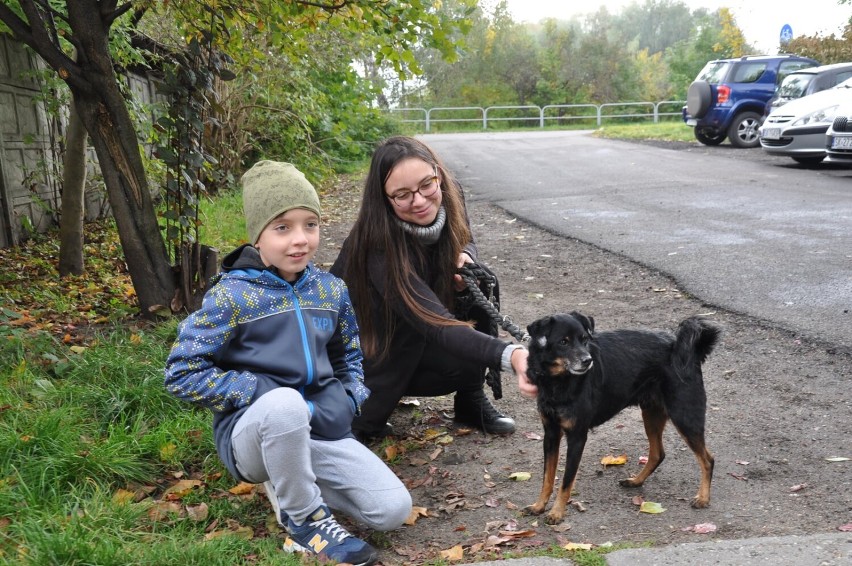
{"x":739,"y":229}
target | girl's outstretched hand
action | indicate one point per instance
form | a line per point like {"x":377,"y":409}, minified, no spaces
{"x":519,"y":365}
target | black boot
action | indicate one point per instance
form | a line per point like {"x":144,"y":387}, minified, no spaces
{"x":474,"y":409}
{"x":365,"y":436}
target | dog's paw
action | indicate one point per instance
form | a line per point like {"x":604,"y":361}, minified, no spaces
{"x":699,"y":502}
{"x":554,"y":518}
{"x":534,"y":509}
{"x":629,"y":482}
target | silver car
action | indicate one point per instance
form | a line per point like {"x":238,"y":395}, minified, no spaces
{"x":797,"y":129}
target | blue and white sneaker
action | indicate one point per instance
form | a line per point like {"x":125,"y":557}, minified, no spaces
{"x":322,"y":535}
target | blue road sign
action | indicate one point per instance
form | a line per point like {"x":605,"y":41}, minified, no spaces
{"x":786,"y":33}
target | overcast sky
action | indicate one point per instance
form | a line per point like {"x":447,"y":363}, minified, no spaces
{"x":760,"y":20}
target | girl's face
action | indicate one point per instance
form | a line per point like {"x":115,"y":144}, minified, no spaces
{"x":414,"y":190}
{"x":289,"y":242}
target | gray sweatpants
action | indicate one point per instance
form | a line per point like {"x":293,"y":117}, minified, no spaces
{"x":272,"y":442}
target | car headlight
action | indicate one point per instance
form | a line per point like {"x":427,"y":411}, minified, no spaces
{"x":822,"y":115}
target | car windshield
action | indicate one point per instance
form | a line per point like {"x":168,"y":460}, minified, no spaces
{"x":794,"y":86}
{"x":713,"y":72}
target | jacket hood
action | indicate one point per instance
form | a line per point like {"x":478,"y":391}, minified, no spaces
{"x":245,"y":263}
{"x":244,"y":257}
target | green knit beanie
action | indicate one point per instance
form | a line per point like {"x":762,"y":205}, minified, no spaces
{"x":271,"y":188}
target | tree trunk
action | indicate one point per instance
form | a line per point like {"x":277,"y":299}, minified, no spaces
{"x":118,"y":151}
{"x":73,"y":197}
{"x":103,"y":110}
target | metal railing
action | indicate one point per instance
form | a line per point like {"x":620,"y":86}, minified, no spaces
{"x":541,"y":115}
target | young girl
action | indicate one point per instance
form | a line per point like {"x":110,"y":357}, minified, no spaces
{"x":274,"y":353}
{"x":399,"y":262}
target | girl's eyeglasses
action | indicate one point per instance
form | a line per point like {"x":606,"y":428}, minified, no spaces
{"x":405,"y":197}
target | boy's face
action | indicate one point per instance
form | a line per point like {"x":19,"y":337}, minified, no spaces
{"x":289,"y":242}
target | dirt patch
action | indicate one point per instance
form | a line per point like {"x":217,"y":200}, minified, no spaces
{"x":779,"y":408}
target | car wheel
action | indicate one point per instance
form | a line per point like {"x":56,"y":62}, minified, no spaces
{"x":809,"y":160}
{"x":699,"y":97}
{"x":709,"y":136}
{"x":743,"y":130}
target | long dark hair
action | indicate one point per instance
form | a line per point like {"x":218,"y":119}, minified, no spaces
{"x":375,"y":231}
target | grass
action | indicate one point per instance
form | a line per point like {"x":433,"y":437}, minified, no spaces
{"x":668,"y":130}
{"x":92,"y":447}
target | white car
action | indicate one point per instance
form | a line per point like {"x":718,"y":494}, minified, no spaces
{"x":797,"y":129}
{"x":838,"y":138}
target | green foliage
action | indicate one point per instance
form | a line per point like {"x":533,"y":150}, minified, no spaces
{"x":650,"y":51}
{"x":826,"y":50}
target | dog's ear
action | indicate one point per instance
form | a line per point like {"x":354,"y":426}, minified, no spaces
{"x":588,"y":322}
{"x":538,"y":326}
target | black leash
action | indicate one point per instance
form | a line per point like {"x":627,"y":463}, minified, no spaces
{"x":475,"y":277}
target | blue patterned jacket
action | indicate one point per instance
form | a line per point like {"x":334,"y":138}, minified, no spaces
{"x":256,"y":332}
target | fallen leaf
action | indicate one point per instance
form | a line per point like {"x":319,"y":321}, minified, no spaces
{"x":738,"y":476}
{"x":245,"y":533}
{"x":798,"y":487}
{"x":431,"y":433}
{"x":577,"y":546}
{"x":242,"y":488}
{"x":520,"y":476}
{"x":416,"y":513}
{"x":168,"y":451}
{"x":198,"y":512}
{"x":847,"y":528}
{"x":651,"y":507}
{"x":526,"y":533}
{"x":123,"y":496}
{"x":391,"y":452}
{"x":532,"y":436}
{"x":701,"y":528}
{"x":161,"y":510}
{"x":638,"y":500}
{"x":494,"y":540}
{"x":180,"y":489}
{"x":742,"y":463}
{"x":614,"y":460}
{"x":454,"y":553}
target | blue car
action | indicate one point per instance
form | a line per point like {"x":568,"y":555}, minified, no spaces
{"x":728,"y":97}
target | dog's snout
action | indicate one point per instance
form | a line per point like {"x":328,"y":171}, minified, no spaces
{"x":586,"y":361}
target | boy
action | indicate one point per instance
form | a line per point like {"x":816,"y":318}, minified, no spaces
{"x":274,"y":352}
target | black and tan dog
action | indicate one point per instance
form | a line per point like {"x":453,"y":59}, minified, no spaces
{"x":584,"y":379}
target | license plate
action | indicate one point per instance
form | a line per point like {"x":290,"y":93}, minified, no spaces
{"x":692,"y":122}
{"x":770,"y":133}
{"x":841,"y":142}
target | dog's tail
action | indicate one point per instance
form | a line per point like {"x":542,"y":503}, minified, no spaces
{"x":695,"y":339}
